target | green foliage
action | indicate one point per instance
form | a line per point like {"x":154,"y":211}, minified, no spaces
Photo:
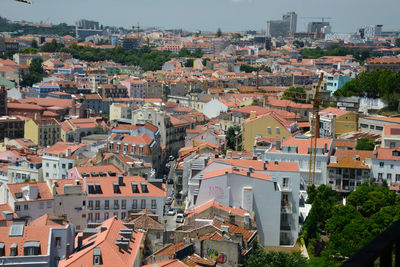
{"x":231,"y":137}
{"x":295,"y":94}
{"x":60,"y":29}
{"x":28,"y":50}
{"x":260,"y":258}
{"x":323,"y":199}
{"x":249,"y":69}
{"x":298,"y":43}
{"x":359,"y":54}
{"x":369,"y":210}
{"x":34,"y":44}
{"x":365,"y":144}
{"x":53,"y":46}
{"x":378,"y":83}
{"x":204,"y":61}
{"x":196,"y":90}
{"x":397,"y":42}
{"x":186,"y":53}
{"x":36,"y":73}
{"x":219,"y":32}
{"x":189,"y":63}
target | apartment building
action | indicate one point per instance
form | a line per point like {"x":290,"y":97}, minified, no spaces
{"x":28,"y":200}
{"x":73,"y":130}
{"x":43,"y":132}
{"x":28,"y":168}
{"x":112,"y":91}
{"x":58,"y":159}
{"x":11,"y":127}
{"x":391,"y":136}
{"x":136,"y":87}
{"x":297,"y":149}
{"x":43,"y":242}
{"x":376,"y":124}
{"x":122,"y":195}
{"x":348,"y":169}
{"x":334,"y":122}
{"x":386,"y":165}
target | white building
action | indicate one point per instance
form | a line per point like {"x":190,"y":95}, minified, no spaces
{"x":58,"y":159}
{"x":122,"y":195}
{"x":391,"y":136}
{"x":297,"y":149}
{"x":284,"y":174}
{"x":250,"y":191}
{"x":213,"y":108}
{"x":386,"y":165}
{"x":28,"y":200}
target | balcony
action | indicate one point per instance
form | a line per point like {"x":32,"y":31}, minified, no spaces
{"x":116,"y":207}
{"x":286,"y":188}
{"x":381,"y":247}
{"x":286,"y":208}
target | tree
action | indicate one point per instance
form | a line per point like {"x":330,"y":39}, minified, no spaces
{"x":34,"y":44}
{"x":296,"y":94}
{"x":298,"y":43}
{"x":234,"y":140}
{"x":397,"y":42}
{"x":219,"y":32}
{"x":365,"y":144}
{"x":189,"y":63}
{"x":36,"y":73}
{"x":260,"y":258}
{"x":204,"y":61}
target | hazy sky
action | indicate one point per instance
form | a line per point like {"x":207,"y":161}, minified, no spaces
{"x":230,"y":15}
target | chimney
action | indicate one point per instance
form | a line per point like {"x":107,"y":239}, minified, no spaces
{"x":326,"y":148}
{"x":248,"y":173}
{"x":121,"y":180}
{"x":253,"y":114}
{"x":68,"y":152}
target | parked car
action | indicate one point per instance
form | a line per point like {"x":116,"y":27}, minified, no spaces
{"x":179,"y":218}
{"x":171,"y":212}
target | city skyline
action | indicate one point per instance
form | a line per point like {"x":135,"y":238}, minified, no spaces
{"x":174,"y":14}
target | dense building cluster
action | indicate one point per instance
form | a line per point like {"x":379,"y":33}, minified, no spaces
{"x":196,"y":163}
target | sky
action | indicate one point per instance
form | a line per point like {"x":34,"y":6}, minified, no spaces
{"x":207,"y":15}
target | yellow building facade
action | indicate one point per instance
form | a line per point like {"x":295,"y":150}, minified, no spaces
{"x":264,"y":126}
{"x":43,"y":132}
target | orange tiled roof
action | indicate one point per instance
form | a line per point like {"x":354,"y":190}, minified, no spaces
{"x":243,"y":172}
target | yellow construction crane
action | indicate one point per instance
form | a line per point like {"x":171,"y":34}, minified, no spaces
{"x":316,"y":102}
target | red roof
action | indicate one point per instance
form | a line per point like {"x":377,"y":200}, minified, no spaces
{"x":61,"y":147}
{"x":111,"y":254}
{"x":387,"y":153}
{"x":43,"y":189}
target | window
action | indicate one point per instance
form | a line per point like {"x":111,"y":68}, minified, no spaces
{"x":47,"y":164}
{"x":123,"y":204}
{"x":269,"y":130}
{"x":392,"y":144}
{"x":285,"y":182}
{"x":90,"y":204}
{"x":116,"y":214}
{"x":63,"y":166}
{"x":123,"y":215}
{"x":97,"y":204}
{"x":372,"y":127}
{"x":397,"y":177}
{"x":153,"y":204}
{"x":90,"y":217}
{"x":26,"y":207}
{"x":47,"y":174}
{"x":134,"y":204}
{"x":391,"y":166}
{"x":106,"y":204}
{"x":143,"y":203}
{"x":389,"y":176}
{"x":97,"y":217}
{"x":380,"y":175}
{"x":69,"y":165}
{"x":106,"y":215}
{"x":379,"y":128}
{"x":17,"y":207}
{"x":116,"y":204}
{"x":58,"y":242}
{"x":381,"y":164}
{"x":277,"y":130}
